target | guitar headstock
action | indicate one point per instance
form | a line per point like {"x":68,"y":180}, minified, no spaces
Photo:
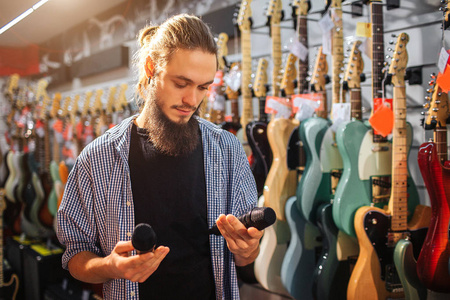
{"x":274,"y":11}
{"x":355,"y":67}
{"x":74,"y":110}
{"x":445,"y":8}
{"x":438,"y":106}
{"x":65,"y":107}
{"x":86,"y":104}
{"x":399,"y":60}
{"x":121,"y":102}
{"x":318,"y":79}
{"x":56,"y":105}
{"x":290,"y":72}
{"x":98,"y":106}
{"x":259,"y":85}
{"x":222,"y":50}
{"x":13,"y":84}
{"x":302,"y":7}
{"x":41,"y":89}
{"x":245,"y":13}
{"x":110,"y":102}
{"x":334,"y":3}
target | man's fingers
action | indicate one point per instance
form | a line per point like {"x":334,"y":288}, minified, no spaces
{"x":123,"y":247}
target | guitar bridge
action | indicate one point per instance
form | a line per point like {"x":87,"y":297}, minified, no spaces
{"x":380,"y":148}
{"x":393,"y":283}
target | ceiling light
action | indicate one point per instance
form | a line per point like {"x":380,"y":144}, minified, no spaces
{"x":22,"y":16}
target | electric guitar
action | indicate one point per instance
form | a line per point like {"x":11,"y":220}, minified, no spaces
{"x":216,"y":100}
{"x":232,"y":95}
{"x":332,"y":270}
{"x":8,"y":290}
{"x":435,"y":169}
{"x":302,"y":8}
{"x":367,"y":155}
{"x":244,"y":22}
{"x":257,"y":131}
{"x":374,"y":275}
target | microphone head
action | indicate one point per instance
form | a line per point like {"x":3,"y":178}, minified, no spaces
{"x":144,"y":237}
{"x":262,"y":217}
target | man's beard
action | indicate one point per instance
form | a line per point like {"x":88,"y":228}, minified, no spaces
{"x":168,"y":137}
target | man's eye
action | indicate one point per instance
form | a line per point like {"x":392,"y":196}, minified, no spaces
{"x":180,"y":86}
{"x":203,"y":88}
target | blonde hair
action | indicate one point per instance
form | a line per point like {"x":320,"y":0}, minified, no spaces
{"x":182,"y":31}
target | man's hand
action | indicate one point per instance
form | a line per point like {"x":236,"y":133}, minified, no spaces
{"x":135,"y":268}
{"x":242,"y":242}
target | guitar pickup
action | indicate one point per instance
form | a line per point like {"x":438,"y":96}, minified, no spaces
{"x":380,"y":148}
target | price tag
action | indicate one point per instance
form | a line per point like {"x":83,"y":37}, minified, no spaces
{"x":382,"y":120}
{"x":326,"y":23}
{"x":299,"y":50}
{"x":304,"y":106}
{"x":364,"y":29}
{"x":341,"y":114}
{"x":443,"y":60}
{"x":279,"y":107}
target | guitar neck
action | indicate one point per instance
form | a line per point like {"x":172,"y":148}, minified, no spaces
{"x":234,"y":111}
{"x":323,"y":113}
{"x":247,"y":109}
{"x":337,"y":57}
{"x":276,"y":58}
{"x":355,"y":103}
{"x":262,"y":109}
{"x":376,"y":9}
{"x":398,"y":204}
{"x":440,"y":139}
{"x":302,"y":65}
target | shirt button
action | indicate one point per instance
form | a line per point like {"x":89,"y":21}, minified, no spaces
{"x":132,"y":294}
{"x":129,"y":234}
{"x":128,"y":203}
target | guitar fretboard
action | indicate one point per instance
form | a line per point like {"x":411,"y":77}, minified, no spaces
{"x":355,"y":103}
{"x":440,"y":139}
{"x":247,"y":108}
{"x":398,"y":203}
{"x":276,"y":59}
{"x":337,"y":54}
{"x":302,"y":65}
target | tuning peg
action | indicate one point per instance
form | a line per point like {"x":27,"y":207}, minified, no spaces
{"x":431,"y":82}
{"x":433,"y":75}
{"x":439,"y":94}
{"x":429,"y":90}
{"x":426,"y":105}
{"x":394,"y":35}
{"x":391,"y":42}
{"x":422,"y":113}
{"x":390,"y":49}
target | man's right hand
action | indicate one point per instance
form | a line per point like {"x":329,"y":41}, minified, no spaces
{"x":135,"y":268}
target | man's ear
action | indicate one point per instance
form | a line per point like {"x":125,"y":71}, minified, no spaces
{"x":149,"y":68}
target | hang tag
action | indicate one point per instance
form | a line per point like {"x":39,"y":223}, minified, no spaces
{"x":382,"y":120}
{"x":326,"y":23}
{"x":363,"y":29}
{"x":299,"y":50}
{"x":304,"y":105}
{"x":279,"y":107}
{"x":341,"y":114}
{"x":219,"y":103}
{"x":443,"y":60}
{"x":443,"y":80}
{"x":326,"y":43}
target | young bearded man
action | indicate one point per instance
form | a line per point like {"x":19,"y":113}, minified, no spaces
{"x":168,"y":168}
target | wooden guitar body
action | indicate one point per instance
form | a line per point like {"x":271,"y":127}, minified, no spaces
{"x":53,"y":197}
{"x":360,"y":165}
{"x":314,"y":187}
{"x":10,"y":181}
{"x":299,"y":260}
{"x":281,"y":182}
{"x":432,"y":263}
{"x":8,"y":291}
{"x":272,"y":251}
{"x":262,"y":154}
{"x":374,"y":275}
{"x":405,"y":263}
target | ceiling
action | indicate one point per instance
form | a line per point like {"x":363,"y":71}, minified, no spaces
{"x":51,"y":19}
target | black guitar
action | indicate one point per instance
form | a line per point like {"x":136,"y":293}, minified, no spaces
{"x":8,"y":290}
{"x":257,"y":131}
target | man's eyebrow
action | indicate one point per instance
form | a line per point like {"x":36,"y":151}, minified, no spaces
{"x":188,"y":80}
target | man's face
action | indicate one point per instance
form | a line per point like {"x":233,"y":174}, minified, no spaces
{"x":183,"y":83}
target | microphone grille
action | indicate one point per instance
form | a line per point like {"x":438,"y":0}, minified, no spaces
{"x":144,"y":237}
{"x":263,"y":217}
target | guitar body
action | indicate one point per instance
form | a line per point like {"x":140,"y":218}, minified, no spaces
{"x":405,"y":263}
{"x":360,"y":165}
{"x":8,"y":291}
{"x":272,"y":251}
{"x":374,"y":275}
{"x":299,"y":260}
{"x":314,"y":187}
{"x":262,"y":154}
{"x":331,"y":275}
{"x":10,"y":181}
{"x":54,"y":194}
{"x":281,"y":182}
{"x":432,"y":263}
{"x":4,"y":170}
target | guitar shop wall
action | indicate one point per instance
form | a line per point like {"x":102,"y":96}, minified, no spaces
{"x":421,"y":20}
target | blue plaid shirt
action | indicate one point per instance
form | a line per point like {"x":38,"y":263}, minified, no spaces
{"x":97,"y":209}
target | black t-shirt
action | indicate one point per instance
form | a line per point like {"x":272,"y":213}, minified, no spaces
{"x":169,"y":193}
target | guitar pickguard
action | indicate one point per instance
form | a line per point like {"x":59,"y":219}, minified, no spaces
{"x":374,"y":163}
{"x":377,"y":227}
{"x":330,"y":158}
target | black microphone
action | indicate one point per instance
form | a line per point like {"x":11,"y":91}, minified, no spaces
{"x":258,"y":217}
{"x":143,"y":238}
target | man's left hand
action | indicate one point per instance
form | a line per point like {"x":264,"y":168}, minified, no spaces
{"x":243,"y":242}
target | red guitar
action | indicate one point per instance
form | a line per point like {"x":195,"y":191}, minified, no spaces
{"x":432,"y":265}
